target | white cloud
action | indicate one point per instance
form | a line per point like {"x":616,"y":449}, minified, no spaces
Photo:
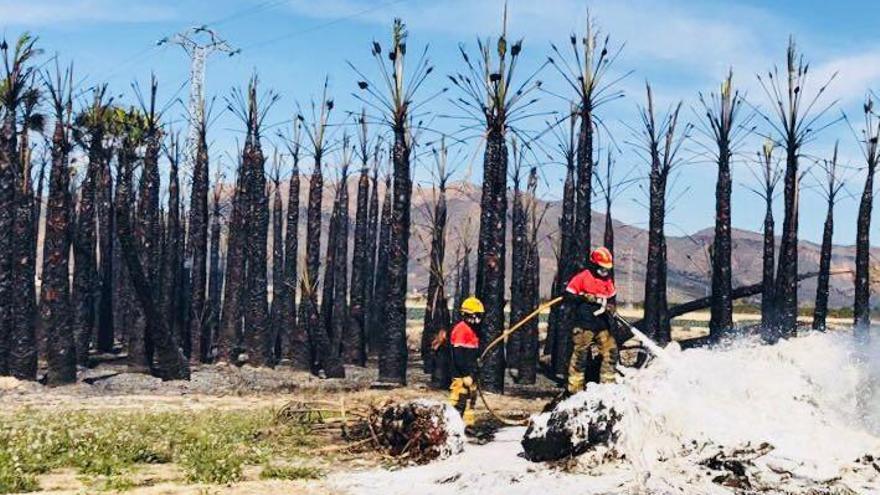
{"x":44,"y":12}
{"x":856,"y":74}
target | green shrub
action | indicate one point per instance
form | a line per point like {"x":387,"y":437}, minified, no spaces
{"x":210,"y":459}
{"x":275,"y":472}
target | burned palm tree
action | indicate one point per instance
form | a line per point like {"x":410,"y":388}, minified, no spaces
{"x":228,"y":344}
{"x":17,"y":345}
{"x":171,"y":293}
{"x":372,"y":244}
{"x":252,"y":110}
{"x":91,"y":132}
{"x":354,"y":342}
{"x":723,"y":126}
{"x":321,"y":352}
{"x":170,"y":363}
{"x":559,"y":343}
{"x":768,"y":176}
{"x":659,"y":143}
{"x":586,"y":72}
{"x":531,"y":273}
{"x":215,"y":282}
{"x":490,"y":98}
{"x":870,"y":136}
{"x":833,"y":185}
{"x":294,"y":339}
{"x":275,"y":311}
{"x":396,"y":106}
{"x":339,"y":310}
{"x":197,"y":246}
{"x":148,"y":227}
{"x":519,"y":306}
{"x":795,"y":123}
{"x":437,"y":308}
{"x":55,"y":308}
{"x":105,"y":332}
{"x":380,"y":291}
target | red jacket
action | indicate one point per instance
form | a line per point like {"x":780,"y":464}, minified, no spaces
{"x":465,"y":349}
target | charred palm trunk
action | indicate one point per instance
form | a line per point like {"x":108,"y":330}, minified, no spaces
{"x":172,"y":275}
{"x":215,"y":284}
{"x":583,"y":197}
{"x":171,"y":364}
{"x":23,"y":342}
{"x":276,"y":311}
{"x":328,"y":286}
{"x":370,"y":269}
{"x":231,"y":319}
{"x":721,"y":318}
{"x":862,"y":301}
{"x":55,"y":308}
{"x":519,"y":306}
{"x":656,"y":320}
{"x":200,"y":337}
{"x":340,"y":311}
{"x":436,"y":311}
{"x":785,"y":323}
{"x":820,"y":313}
{"x":528,"y":358}
{"x":84,"y":244}
{"x":294,"y":341}
{"x":491,"y":252}
{"x":380,"y":292}
{"x":8,"y":154}
{"x":354,"y":343}
{"x":309,"y":328}
{"x":104,"y":210}
{"x":257,"y":339}
{"x":768,"y":277}
{"x":559,"y":344}
{"x":463,"y":287}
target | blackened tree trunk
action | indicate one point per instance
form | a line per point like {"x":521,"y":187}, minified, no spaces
{"x":171,"y":364}
{"x":215,"y":284}
{"x":820,"y":313}
{"x":104,"y":210}
{"x":23,"y":342}
{"x":230,"y":323}
{"x":833,"y":186}
{"x":519,"y":307}
{"x":862,"y":298}
{"x":84,"y":243}
{"x":197,"y":246}
{"x":308,"y":326}
{"x":530,"y":290}
{"x":354,"y":343}
{"x":380,"y":291}
{"x":768,"y":275}
{"x":328,"y":283}
{"x":55,"y":308}
{"x":559,"y":343}
{"x":172,"y":270}
{"x":339,"y":309}
{"x":583,"y":197}
{"x":370,"y":270}
{"x":259,"y":344}
{"x":436,"y":311}
{"x":491,"y":252}
{"x":785,"y":323}
{"x":294,"y":340}
{"x":276,"y":311}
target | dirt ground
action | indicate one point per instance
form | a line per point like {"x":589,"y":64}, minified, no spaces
{"x":217,"y":387}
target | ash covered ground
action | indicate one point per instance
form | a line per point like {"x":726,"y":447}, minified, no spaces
{"x":798,"y":417}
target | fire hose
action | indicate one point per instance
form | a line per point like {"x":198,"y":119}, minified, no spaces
{"x":647,"y":342}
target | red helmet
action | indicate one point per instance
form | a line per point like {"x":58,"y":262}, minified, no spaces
{"x":602,"y":257}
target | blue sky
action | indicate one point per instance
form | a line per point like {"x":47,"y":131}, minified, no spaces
{"x":681,"y":47}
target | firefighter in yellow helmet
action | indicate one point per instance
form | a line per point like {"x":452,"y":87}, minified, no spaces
{"x":465,"y":342}
{"x":588,"y":294}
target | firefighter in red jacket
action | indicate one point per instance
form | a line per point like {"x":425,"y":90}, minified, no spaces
{"x":587,"y":296}
{"x":465,"y":342}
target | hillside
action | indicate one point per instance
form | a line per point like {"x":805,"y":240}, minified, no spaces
{"x":688,"y":264}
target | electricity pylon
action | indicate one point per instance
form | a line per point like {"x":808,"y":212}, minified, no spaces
{"x":199,"y":42}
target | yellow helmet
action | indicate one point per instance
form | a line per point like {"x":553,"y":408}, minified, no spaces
{"x":472,"y":306}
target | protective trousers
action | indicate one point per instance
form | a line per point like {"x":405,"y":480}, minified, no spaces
{"x":583,"y":339}
{"x":463,"y":397}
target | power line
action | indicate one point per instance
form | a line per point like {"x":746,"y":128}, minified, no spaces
{"x":321,"y":26}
